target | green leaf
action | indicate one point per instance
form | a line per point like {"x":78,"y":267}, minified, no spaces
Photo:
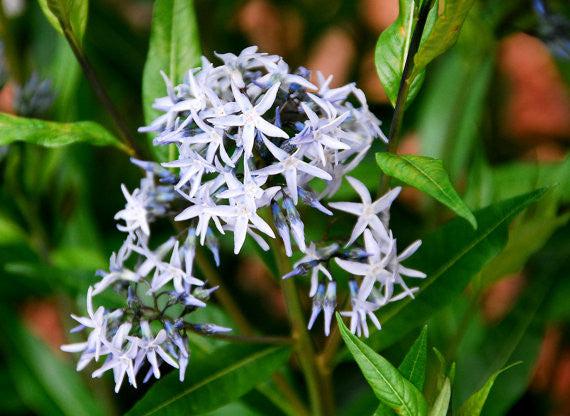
{"x":391,"y":51}
{"x":212,"y":382}
{"x":388,"y":384}
{"x":450,"y":257}
{"x":174,"y":48}
{"x":47,"y":385}
{"x":413,"y":366}
{"x":441,"y":403}
{"x":67,"y":15}
{"x":474,"y":405}
{"x":455,"y":99}
{"x":525,"y":239}
{"x":53,"y":134}
{"x":444,"y":33}
{"x":518,"y":337}
{"x":427,"y":175}
{"x":10,"y":231}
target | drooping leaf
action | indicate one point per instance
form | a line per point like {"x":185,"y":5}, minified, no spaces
{"x":450,"y":257}
{"x":53,"y":134}
{"x":392,"y":49}
{"x":212,"y":382}
{"x":70,"y":15}
{"x":474,"y":405}
{"x":441,"y":403}
{"x":428,"y":175}
{"x":413,"y":366}
{"x":174,"y":48}
{"x":443,"y":34}
{"x":47,"y":385}
{"x":391,"y":388}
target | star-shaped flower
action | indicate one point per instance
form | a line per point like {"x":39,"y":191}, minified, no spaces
{"x":251,"y":118}
{"x":367,"y":211}
{"x":289,"y":165}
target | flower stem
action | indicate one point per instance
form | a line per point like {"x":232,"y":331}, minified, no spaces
{"x":222,"y":294}
{"x":318,"y":385}
{"x":125,"y":135}
{"x":404,"y":89}
{"x":242,"y":323}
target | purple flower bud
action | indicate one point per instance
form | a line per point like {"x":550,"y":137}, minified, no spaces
{"x":282,"y":228}
{"x":318,"y":300}
{"x":297,"y":226}
{"x":214,"y":245}
{"x":211,"y":328}
{"x":310,"y":200}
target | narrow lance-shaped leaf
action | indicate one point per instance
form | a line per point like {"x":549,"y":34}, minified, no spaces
{"x":218,"y":379}
{"x":450,"y":257}
{"x":444,"y":33}
{"x":441,"y":403}
{"x":174,"y":48}
{"x":428,"y":175}
{"x":389,"y":386}
{"x":413,"y":366}
{"x":54,"y":134}
{"x":474,"y":404}
{"x":70,"y":15}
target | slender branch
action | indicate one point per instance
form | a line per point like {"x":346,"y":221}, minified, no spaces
{"x":404,"y":89}
{"x":126,"y":136}
{"x":243,"y":325}
{"x":222,"y":294}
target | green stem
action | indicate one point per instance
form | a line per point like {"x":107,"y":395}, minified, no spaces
{"x":222,"y":294}
{"x":404,"y":89}
{"x":243,"y":325}
{"x":101,"y":93}
{"x":318,"y":387}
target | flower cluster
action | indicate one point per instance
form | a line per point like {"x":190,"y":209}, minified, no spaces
{"x":252,"y":140}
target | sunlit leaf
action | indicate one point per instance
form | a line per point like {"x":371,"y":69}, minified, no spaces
{"x":67,"y":15}
{"x":53,"y":134}
{"x":212,"y":382}
{"x":427,"y":175}
{"x":391,"y":388}
{"x":174,"y":48}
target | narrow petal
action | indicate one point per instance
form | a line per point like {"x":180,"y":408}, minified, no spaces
{"x":361,"y":189}
{"x":268,"y":99}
